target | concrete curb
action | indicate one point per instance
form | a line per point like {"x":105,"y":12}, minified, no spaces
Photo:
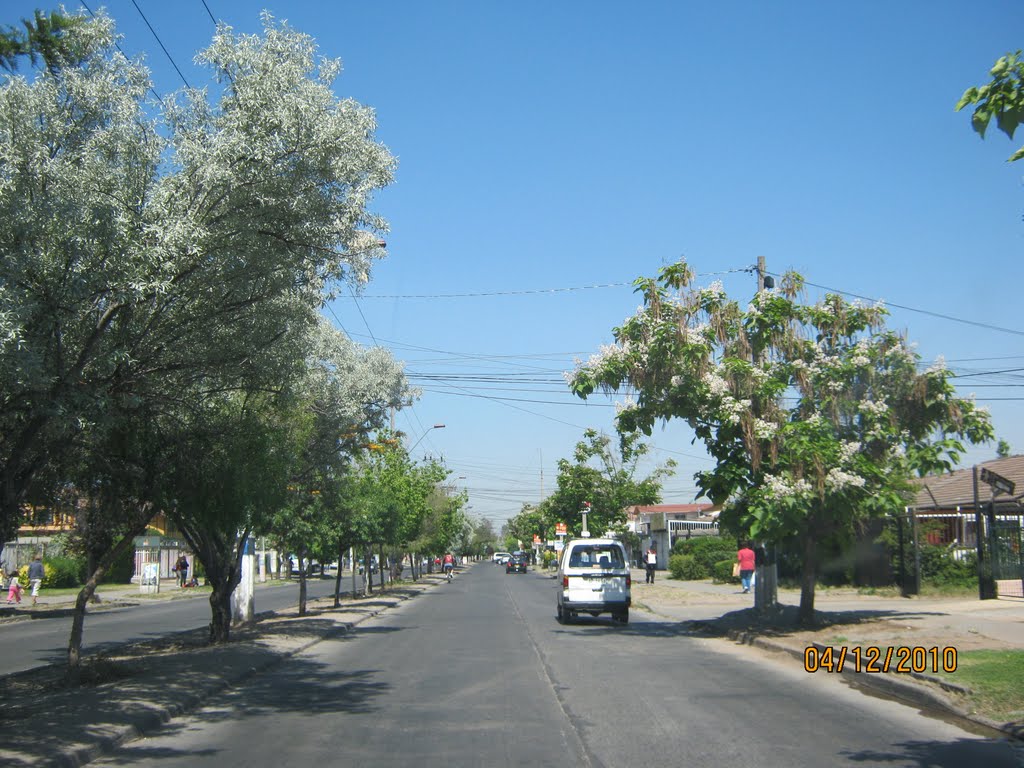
{"x":155,"y":718}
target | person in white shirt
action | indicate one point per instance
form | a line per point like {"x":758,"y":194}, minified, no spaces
{"x":650,"y":562}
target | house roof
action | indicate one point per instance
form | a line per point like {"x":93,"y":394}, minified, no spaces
{"x":956,"y":489}
{"x":669,"y":509}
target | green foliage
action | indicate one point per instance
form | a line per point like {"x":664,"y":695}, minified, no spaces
{"x":122,"y":569}
{"x":1001,"y":98}
{"x":706,"y":550}
{"x":939,"y":568}
{"x":604,"y":476}
{"x":721,"y":572}
{"x":686,"y":568}
{"x":44,"y":38}
{"x":60,"y":572}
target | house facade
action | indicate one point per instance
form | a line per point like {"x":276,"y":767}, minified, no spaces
{"x":663,"y":524}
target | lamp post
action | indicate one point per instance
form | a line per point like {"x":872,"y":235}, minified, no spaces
{"x":436,"y":426}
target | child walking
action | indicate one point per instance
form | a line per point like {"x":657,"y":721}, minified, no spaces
{"x":14,"y":590}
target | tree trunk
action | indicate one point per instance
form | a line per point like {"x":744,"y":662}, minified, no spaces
{"x":368,"y":569}
{"x":808,"y":579}
{"x":337,"y":579}
{"x":220,"y":609}
{"x":302,"y":581}
{"x":74,"y":669}
{"x":380,"y":566}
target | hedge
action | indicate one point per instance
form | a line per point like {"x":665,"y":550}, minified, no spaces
{"x":722,"y":572}
{"x":706,"y":550}
{"x":686,"y":568}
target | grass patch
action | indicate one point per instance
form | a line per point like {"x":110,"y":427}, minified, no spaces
{"x":996,"y":680}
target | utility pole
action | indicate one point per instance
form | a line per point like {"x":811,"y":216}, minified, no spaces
{"x":766,"y":585}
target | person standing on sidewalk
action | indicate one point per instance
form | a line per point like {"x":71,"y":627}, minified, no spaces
{"x":36,"y":574}
{"x":181,"y":567}
{"x":745,"y":557}
{"x":650,"y":563}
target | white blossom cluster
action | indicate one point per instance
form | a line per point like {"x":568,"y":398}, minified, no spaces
{"x":874,"y":408}
{"x":778,"y":487}
{"x":765,"y":430}
{"x":838,"y":480}
{"x":732,"y":410}
{"x":626,"y":405}
{"x":718,"y":386}
{"x":847,"y":450}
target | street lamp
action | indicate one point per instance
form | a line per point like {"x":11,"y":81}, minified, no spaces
{"x":436,"y":426}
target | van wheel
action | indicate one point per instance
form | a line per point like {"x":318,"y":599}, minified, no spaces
{"x":559,"y":615}
{"x":622,"y":616}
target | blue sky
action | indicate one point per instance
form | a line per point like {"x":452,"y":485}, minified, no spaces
{"x":558,"y":145}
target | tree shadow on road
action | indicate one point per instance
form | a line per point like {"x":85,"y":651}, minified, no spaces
{"x":933,"y":754}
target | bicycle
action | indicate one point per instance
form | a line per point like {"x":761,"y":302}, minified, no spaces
{"x":448,"y":569}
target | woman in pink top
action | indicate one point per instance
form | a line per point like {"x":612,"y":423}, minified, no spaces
{"x":746,"y":559}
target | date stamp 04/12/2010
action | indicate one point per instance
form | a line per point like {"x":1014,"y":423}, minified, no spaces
{"x":903,"y":659}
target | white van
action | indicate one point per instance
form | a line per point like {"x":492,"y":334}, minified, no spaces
{"x":595,"y":579}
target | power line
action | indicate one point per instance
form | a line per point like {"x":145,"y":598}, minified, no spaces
{"x":353,"y":293}
{"x":209,"y":12}
{"x":531,"y":291}
{"x":162,"y":46}
{"x":120,"y":50}
{"x":939,"y":315}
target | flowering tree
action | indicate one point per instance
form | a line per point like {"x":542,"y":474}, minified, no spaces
{"x":815,"y":414}
{"x":163,"y":254}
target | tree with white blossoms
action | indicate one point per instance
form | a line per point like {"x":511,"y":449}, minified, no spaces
{"x":815,"y":414}
{"x":344,"y":393}
{"x":161,"y":253}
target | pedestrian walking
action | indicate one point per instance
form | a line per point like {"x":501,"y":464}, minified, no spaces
{"x":14,"y":590}
{"x":181,"y":568}
{"x":36,"y":574}
{"x":745,"y":557}
{"x":650,"y":563}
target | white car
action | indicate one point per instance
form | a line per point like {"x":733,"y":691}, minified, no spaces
{"x":500,"y":558}
{"x":595,"y":579}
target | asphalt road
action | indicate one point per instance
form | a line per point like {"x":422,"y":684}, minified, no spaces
{"x":477,"y":672}
{"x":42,"y":641}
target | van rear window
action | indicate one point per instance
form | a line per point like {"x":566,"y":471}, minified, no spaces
{"x":597,"y":556}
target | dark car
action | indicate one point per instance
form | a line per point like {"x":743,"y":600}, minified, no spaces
{"x":516,"y":564}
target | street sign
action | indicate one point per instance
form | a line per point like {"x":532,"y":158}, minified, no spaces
{"x":561,"y":529}
{"x":997,"y":482}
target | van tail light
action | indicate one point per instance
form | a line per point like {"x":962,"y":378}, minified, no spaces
{"x":565,"y":582}
{"x":629,"y":581}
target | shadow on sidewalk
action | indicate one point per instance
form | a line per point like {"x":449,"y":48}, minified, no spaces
{"x":784,"y":620}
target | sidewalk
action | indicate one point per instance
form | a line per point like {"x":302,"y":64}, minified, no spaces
{"x":852,"y":621}
{"x":138,"y":687}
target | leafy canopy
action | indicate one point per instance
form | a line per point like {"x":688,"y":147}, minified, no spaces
{"x":1001,"y":98}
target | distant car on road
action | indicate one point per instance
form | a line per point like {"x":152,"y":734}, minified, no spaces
{"x":515,"y":564}
{"x":500,"y":558}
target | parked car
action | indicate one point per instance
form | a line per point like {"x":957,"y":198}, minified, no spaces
{"x":595,"y":579}
{"x":500,"y":558}
{"x":515,"y":564}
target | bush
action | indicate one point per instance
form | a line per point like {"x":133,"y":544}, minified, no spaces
{"x":941,"y":569}
{"x":706,"y":550}
{"x":722,"y":572}
{"x":60,"y":572}
{"x":687,"y":568}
